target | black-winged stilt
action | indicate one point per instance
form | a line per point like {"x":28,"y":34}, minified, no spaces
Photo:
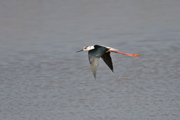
{"x":97,"y":51}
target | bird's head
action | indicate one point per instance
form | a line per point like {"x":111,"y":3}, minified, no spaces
{"x":87,"y":48}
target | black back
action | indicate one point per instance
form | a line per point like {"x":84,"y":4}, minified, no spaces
{"x":98,"y":51}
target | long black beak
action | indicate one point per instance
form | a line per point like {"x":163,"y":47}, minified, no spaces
{"x":80,"y":50}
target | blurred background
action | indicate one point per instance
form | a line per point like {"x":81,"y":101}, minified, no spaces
{"x":43,"y":78}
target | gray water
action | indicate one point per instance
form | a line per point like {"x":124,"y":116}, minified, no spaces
{"x":42,"y":78}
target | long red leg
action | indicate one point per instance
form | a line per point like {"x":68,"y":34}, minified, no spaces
{"x":133,"y":55}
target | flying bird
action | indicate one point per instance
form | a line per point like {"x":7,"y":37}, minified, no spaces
{"x":97,"y":51}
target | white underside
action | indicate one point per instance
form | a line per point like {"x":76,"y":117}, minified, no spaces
{"x":113,"y":49}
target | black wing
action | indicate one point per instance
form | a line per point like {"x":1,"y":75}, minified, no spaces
{"x":107,"y":59}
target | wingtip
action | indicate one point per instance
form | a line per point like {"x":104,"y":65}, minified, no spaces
{"x":95,"y":77}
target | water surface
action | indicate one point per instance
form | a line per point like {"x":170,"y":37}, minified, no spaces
{"x":41,"y":76}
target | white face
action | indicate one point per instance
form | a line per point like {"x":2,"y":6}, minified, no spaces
{"x":87,"y":48}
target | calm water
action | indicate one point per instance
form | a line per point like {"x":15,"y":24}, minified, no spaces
{"x":42,"y":78}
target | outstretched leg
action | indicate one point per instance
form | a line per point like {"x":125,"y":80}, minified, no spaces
{"x":133,"y":55}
